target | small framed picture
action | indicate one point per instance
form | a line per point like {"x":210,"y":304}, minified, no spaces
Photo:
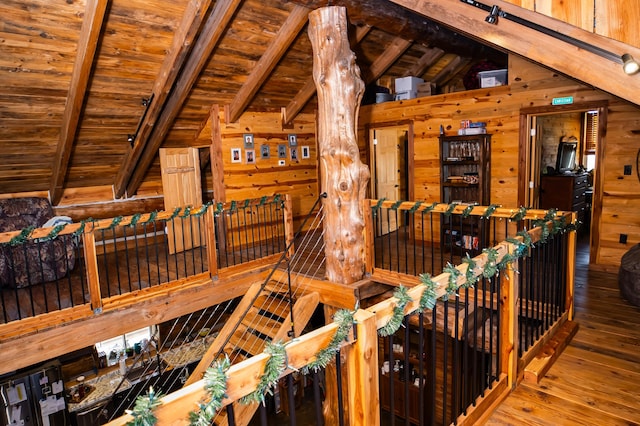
{"x":251,"y":156}
{"x":282,"y":151}
{"x":265,"y":152}
{"x":293,"y":140}
{"x":293,"y":151}
{"x":248,"y":140}
{"x":305,"y":152}
{"x":236,"y":155}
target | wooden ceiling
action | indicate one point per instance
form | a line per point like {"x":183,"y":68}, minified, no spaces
{"x":75,"y":75}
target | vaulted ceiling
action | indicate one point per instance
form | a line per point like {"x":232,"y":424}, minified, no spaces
{"x":79,"y":79}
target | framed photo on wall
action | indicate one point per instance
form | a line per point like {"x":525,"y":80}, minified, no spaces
{"x":282,"y":151}
{"x":265,"y":152}
{"x":251,"y":156}
{"x":293,"y":151}
{"x":293,"y":140}
{"x":305,"y":152}
{"x":236,"y":155}
{"x":248,"y":140}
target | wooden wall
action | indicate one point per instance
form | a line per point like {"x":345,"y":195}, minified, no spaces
{"x":266,"y":177}
{"x":609,"y":18}
{"x":530,"y":86}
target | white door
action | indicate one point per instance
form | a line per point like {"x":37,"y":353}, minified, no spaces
{"x":389,"y":144}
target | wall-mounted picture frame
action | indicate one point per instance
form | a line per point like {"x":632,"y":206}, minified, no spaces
{"x":293,"y":140}
{"x":293,"y":153}
{"x":305,"y":152}
{"x":236,"y":155}
{"x":250,"y":155}
{"x":282,"y":151}
{"x":248,"y":140}
{"x":265,"y":152}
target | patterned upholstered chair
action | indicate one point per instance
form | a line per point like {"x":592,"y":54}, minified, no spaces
{"x":32,"y":262}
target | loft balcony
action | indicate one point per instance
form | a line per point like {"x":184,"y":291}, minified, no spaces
{"x":227,"y":280}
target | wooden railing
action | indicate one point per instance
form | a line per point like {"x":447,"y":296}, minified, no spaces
{"x":363,"y":361}
{"x":116,"y":261}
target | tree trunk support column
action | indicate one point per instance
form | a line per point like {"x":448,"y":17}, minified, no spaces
{"x":343,"y":176}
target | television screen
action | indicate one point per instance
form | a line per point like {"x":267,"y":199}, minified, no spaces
{"x":566,"y":156}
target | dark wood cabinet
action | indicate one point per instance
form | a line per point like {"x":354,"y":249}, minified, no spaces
{"x":464,"y":179}
{"x":564,"y":192}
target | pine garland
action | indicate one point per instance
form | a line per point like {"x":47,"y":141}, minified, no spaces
{"x":274,"y":367}
{"x":395,"y":321}
{"x":467,"y":210}
{"x":470,"y":276}
{"x":450,"y":209}
{"x":454,"y":273}
{"x":522,"y":212}
{"x":143,"y":409}
{"x":215,"y":384}
{"x":490,"y":211}
{"x":344,"y":318}
{"x":491,"y":267}
{"x":428,"y":298}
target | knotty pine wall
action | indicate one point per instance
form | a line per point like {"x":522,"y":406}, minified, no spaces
{"x":530,"y":86}
{"x":297,"y":178}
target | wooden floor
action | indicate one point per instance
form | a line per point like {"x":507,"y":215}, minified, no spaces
{"x":596,"y":381}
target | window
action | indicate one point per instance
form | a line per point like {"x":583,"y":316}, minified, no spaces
{"x":120,"y":343}
{"x":591,"y":133}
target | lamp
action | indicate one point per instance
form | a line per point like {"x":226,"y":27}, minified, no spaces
{"x":629,"y":65}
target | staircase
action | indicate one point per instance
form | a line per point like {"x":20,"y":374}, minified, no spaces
{"x":263,"y":315}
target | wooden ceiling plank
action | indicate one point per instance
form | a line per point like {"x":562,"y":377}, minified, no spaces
{"x":382,"y":63}
{"x":275,"y":51}
{"x":87,"y":46}
{"x":536,"y":46}
{"x":169,"y":71}
{"x":309,"y":89}
{"x":219,"y":19}
{"x":446,"y":71}
{"x":421,"y":66}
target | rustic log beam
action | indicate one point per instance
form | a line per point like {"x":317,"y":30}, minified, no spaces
{"x":170,"y":72}
{"x":87,"y":46}
{"x":344,"y":177}
{"x":275,"y":51}
{"x":536,"y":46}
{"x":429,"y":58}
{"x":391,"y":54}
{"x":309,"y":89}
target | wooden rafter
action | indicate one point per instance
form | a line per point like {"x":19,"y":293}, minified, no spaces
{"x":309,"y":89}
{"x":391,"y":54}
{"x":455,"y":65}
{"x":545,"y":49}
{"x":207,"y":41}
{"x":429,"y":58}
{"x":275,"y":51}
{"x":87,"y":46}
{"x":183,"y":39}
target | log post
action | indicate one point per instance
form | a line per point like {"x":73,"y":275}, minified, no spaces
{"x":344,"y":177}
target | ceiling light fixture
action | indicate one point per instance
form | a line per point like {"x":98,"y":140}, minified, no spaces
{"x":629,"y":65}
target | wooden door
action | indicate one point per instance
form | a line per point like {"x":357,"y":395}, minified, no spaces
{"x":182,"y":187}
{"x":388,"y":144}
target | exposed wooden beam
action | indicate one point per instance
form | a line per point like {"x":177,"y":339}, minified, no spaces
{"x":448,"y":70}
{"x":309,"y":89}
{"x":87,"y":46}
{"x":275,"y":51}
{"x":421,"y":66}
{"x":536,"y":46}
{"x":182,"y":42}
{"x":207,"y":40}
{"x":391,"y":54}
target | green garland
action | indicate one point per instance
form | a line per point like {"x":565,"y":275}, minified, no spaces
{"x":490,"y":211}
{"x":428,"y":298}
{"x":450,"y":209}
{"x":470,"y":275}
{"x":143,"y":409}
{"x":467,"y":210}
{"x":454,"y":273}
{"x":344,"y":319}
{"x":491,"y":267}
{"x":521,"y":213}
{"x":274,"y":367}
{"x":215,"y":384}
{"x":395,"y":321}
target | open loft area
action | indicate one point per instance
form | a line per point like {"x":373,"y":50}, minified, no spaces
{"x":206,"y":199}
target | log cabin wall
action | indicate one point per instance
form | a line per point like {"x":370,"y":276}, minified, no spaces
{"x":297,"y":177}
{"x":530,"y":86}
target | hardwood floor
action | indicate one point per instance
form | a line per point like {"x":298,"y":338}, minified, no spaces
{"x":596,"y":380}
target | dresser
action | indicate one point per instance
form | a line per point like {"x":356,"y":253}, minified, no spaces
{"x":564,"y":192}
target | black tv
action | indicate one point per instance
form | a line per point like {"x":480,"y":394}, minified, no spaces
{"x":566,"y":160}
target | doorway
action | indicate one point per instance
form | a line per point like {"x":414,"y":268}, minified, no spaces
{"x":542,"y":131}
{"x":389,"y":158}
